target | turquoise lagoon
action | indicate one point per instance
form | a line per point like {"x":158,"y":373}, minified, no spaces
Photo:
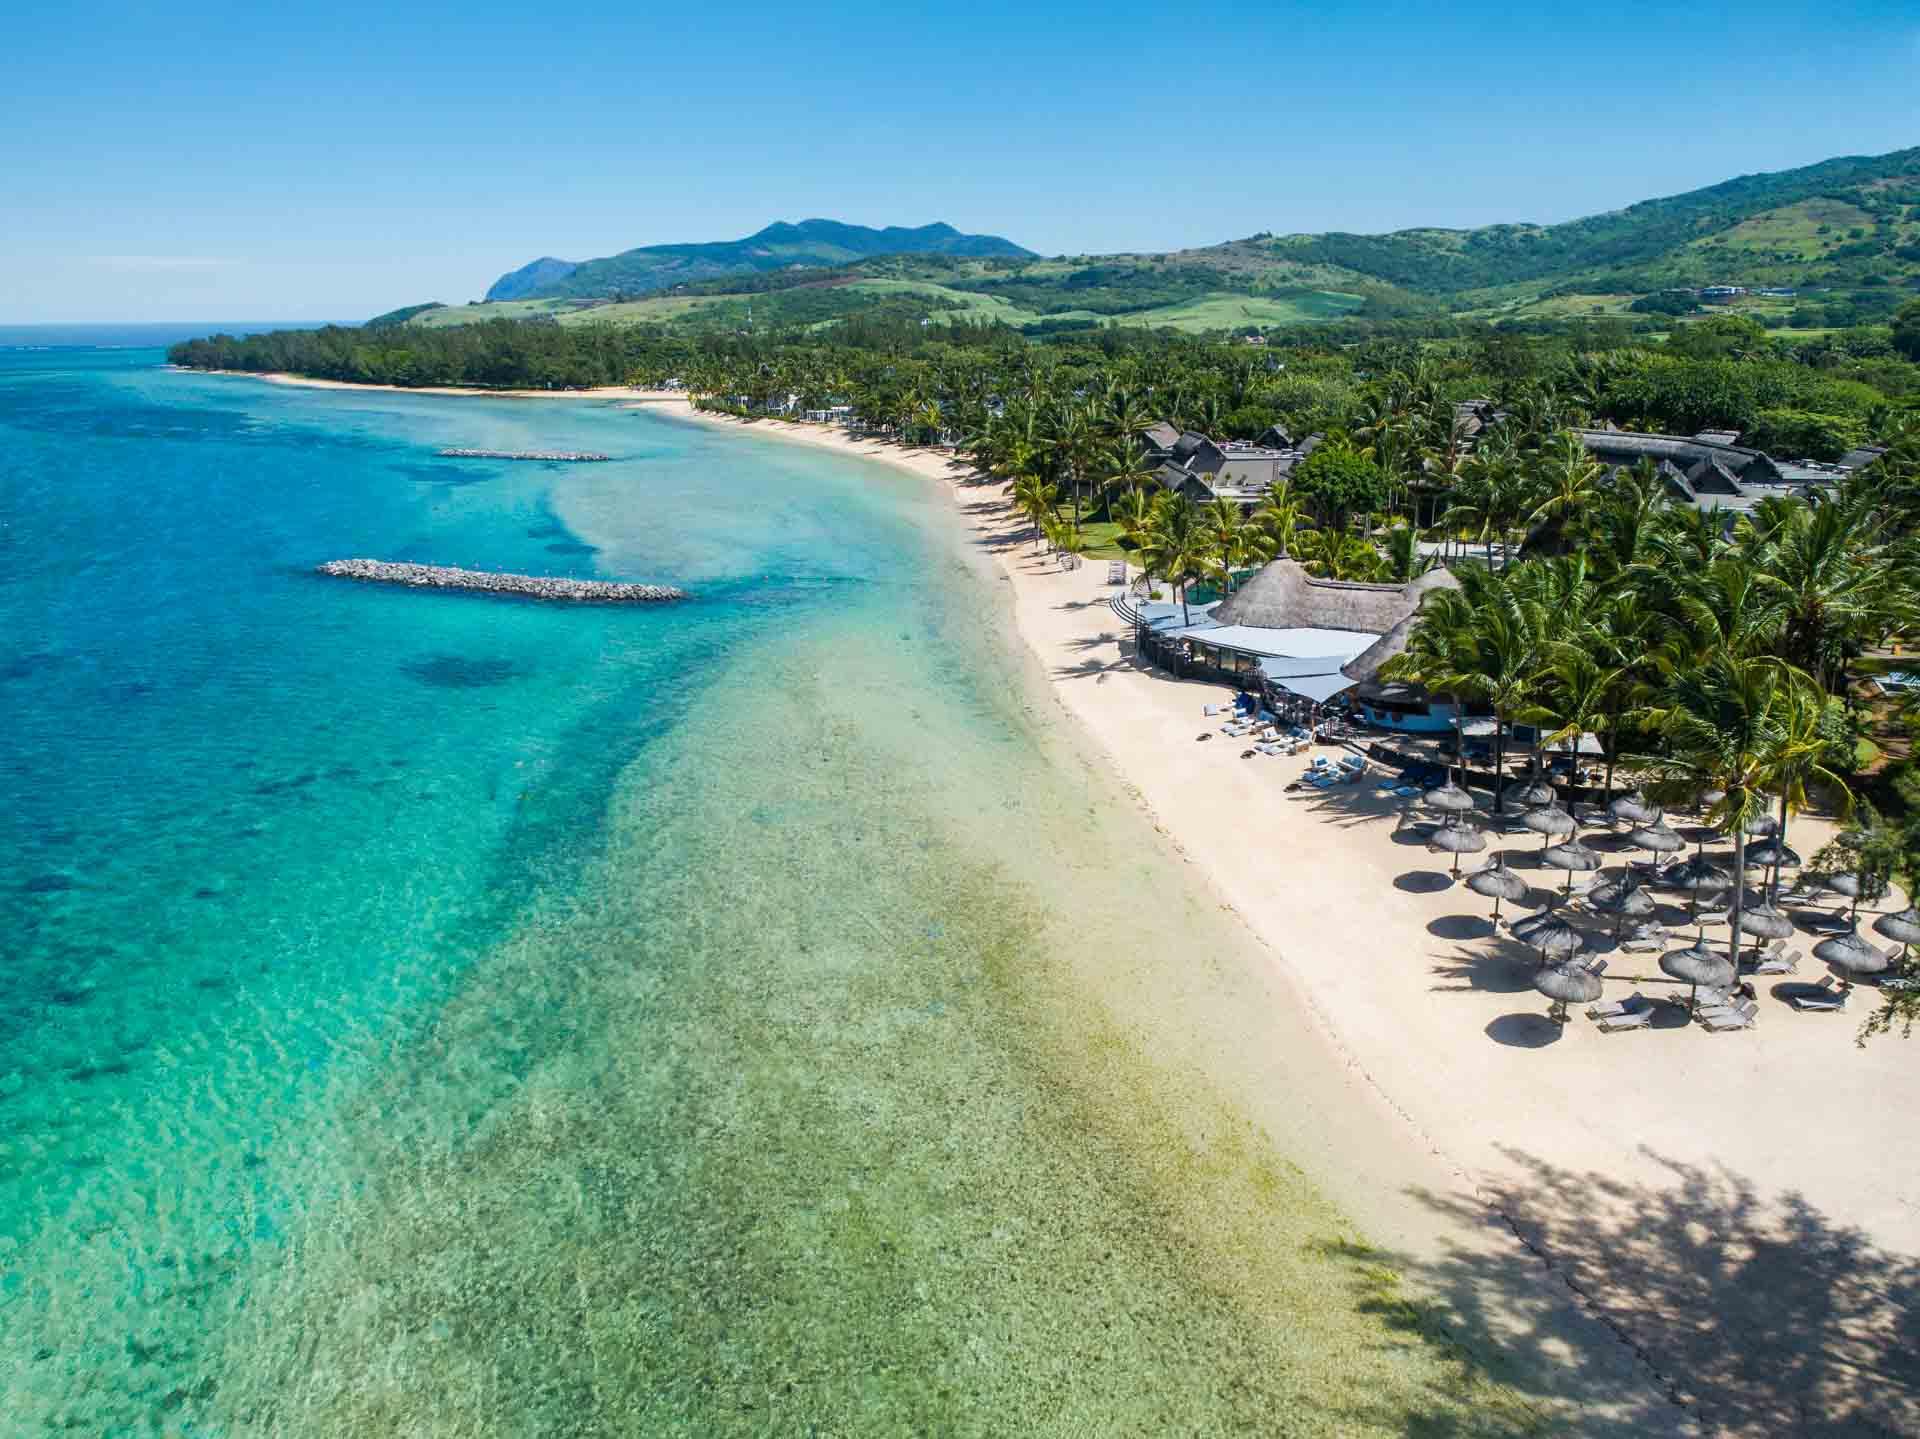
{"x":433,"y":1014}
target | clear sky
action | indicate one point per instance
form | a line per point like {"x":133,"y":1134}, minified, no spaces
{"x":216,"y":160}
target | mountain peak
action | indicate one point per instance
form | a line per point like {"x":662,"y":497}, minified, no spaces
{"x":781,"y":245}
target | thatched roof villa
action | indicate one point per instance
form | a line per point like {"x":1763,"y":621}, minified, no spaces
{"x":1307,"y":638}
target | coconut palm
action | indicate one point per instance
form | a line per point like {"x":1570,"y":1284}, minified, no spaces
{"x":1724,"y":723}
{"x":1175,"y":546}
{"x":1483,"y":643}
{"x":1235,"y":541}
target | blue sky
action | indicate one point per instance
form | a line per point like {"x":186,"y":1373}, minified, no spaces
{"x":247,"y":161}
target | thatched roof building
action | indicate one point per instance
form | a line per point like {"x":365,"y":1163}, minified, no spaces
{"x":1283,"y":596}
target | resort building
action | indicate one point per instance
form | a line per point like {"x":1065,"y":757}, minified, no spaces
{"x":1706,"y":471}
{"x":1189,"y":463}
{"x":1301,"y":641}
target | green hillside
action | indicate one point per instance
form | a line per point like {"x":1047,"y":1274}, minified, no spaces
{"x":814,"y":244}
{"x":1843,"y":235}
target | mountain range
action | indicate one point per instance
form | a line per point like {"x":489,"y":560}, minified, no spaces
{"x":815,"y":243}
{"x":1842,"y":236}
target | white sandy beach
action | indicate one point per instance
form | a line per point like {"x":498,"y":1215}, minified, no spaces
{"x":599,"y":392}
{"x":1742,"y":1210}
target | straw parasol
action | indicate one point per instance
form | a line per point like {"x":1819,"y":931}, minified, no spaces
{"x":1760,"y":919}
{"x":1697,"y":965}
{"x":1902,"y":928}
{"x":1456,"y":840}
{"x":1851,"y":955}
{"x":1496,"y":882}
{"x":1695,"y":877}
{"x":1530,"y":792}
{"x":1656,"y":837}
{"x":1844,"y":882}
{"x":1449,"y":799}
{"x":1548,"y":821}
{"x":1634,"y":809}
{"x":1528,"y":923}
{"x":1773,"y":853}
{"x":1571,"y":856}
{"x":1758,"y":826}
{"x":1624,"y":901}
{"x":1555,"y":939}
{"x":1566,"y":984}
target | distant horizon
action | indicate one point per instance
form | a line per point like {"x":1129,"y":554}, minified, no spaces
{"x":310,"y":164}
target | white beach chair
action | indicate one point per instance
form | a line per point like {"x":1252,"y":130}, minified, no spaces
{"x":1825,"y":997}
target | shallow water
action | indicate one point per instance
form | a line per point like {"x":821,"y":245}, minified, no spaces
{"x":440,"y":1014}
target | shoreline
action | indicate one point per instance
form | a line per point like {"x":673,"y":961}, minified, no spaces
{"x":307,"y":382}
{"x":1563,"y":1142}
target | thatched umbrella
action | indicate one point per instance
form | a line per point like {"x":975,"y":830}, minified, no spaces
{"x":1456,"y":840}
{"x":1530,"y":792}
{"x":1555,"y":939}
{"x":1760,"y":919}
{"x":1851,"y":955}
{"x":1611,"y":890}
{"x":1758,"y":826}
{"x":1571,"y":856}
{"x":1773,"y":854}
{"x":1566,"y":984}
{"x":1695,"y":877}
{"x":1634,"y":809}
{"x":1449,"y":799}
{"x":1657,"y":838}
{"x":1902,"y":928}
{"x":1528,"y":923}
{"x":1846,"y":883}
{"x":1549,"y":821}
{"x":1497,"y":882}
{"x":1624,"y":902}
{"x":1697,"y":965}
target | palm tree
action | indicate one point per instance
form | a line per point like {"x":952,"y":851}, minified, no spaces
{"x":1175,"y":546}
{"x":1482,"y":643}
{"x":1724,"y":723}
{"x":1569,"y":480}
{"x":1034,"y":498}
{"x":1120,"y":467}
{"x":1235,"y":541}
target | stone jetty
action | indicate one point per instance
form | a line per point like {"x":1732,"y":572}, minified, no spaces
{"x":538,"y":587}
{"x":565,"y":457}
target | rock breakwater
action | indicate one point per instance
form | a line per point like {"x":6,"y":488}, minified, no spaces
{"x":565,"y":457}
{"x":538,"y":587}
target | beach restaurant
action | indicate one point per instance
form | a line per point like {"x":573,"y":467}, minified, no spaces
{"x":1300,"y":641}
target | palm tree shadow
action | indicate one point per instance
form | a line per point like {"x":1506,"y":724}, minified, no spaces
{"x":1758,"y":1314}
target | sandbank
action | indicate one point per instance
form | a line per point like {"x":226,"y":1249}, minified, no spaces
{"x":1729,"y":1221}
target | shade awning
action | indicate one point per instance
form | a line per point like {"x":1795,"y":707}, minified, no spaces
{"x":1316,"y":689}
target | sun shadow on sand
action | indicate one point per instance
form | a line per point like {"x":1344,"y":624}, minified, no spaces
{"x":1757,"y":1312}
{"x":1509,"y":970}
{"x":1524,"y":1030}
{"x":1461,"y":926}
{"x":1423,"y":881}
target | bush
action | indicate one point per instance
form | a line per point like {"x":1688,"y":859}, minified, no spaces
{"x":1805,"y":434}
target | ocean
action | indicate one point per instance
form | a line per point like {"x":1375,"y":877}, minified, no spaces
{"x":450,"y":1014}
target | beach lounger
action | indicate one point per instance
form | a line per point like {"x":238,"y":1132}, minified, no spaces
{"x":1722,"y":1018}
{"x":1631,"y":1019}
{"x":1642,"y":944}
{"x":1778,"y":963}
{"x":1596,"y":966}
{"x":1822,"y":997}
{"x":1632,"y":1002}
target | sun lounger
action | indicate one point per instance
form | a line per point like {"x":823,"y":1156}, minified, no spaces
{"x":1778,"y":963}
{"x":1642,"y":944}
{"x":1729,"y":1020}
{"x":1632,"y":1002}
{"x":1822,"y":997}
{"x":1631,"y":1019}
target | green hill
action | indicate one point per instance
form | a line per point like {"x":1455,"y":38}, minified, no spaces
{"x":811,"y":243}
{"x":1844,"y":235}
